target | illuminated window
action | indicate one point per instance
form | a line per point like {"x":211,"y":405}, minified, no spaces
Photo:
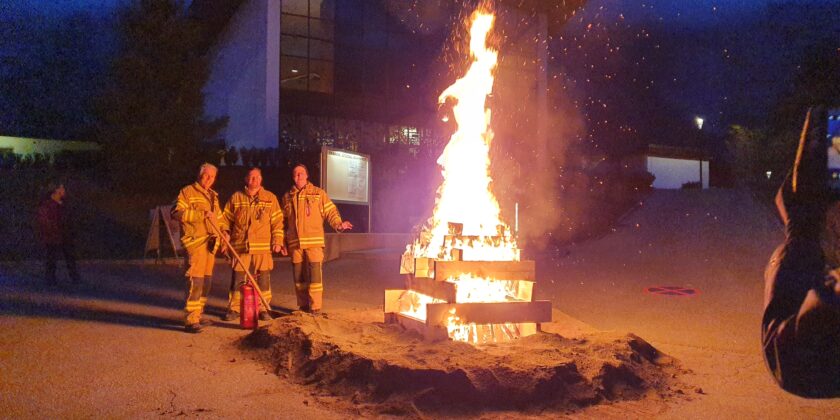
{"x":307,"y":45}
{"x":404,"y":135}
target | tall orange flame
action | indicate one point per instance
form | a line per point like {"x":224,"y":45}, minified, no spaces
{"x":464,"y":196}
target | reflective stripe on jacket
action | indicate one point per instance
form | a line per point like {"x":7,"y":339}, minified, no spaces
{"x":189,"y":208}
{"x":306,"y":210}
{"x":255,"y":223}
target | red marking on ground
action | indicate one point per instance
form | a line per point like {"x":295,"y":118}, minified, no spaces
{"x":672,"y":291}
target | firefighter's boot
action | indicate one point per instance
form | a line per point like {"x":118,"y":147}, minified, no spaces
{"x":234,"y":296}
{"x":195,"y":287}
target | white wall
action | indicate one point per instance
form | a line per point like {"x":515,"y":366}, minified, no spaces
{"x":673,"y":173}
{"x":244,"y":81}
{"x":27,"y":146}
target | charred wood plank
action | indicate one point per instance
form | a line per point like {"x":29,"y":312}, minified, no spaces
{"x":437,"y":289}
{"x":407,"y":263}
{"x":424,"y":267}
{"x":429,"y":332}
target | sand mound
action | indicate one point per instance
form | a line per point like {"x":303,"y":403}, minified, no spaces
{"x":396,"y":372}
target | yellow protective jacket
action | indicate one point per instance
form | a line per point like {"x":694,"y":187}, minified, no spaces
{"x":255,"y":223}
{"x":189,"y":208}
{"x":306,"y":210}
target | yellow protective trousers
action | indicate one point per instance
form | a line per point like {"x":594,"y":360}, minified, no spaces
{"x":198,"y":288}
{"x":199,"y":279}
{"x":261,"y":266}
{"x":308,"y":277}
{"x":200,"y":261}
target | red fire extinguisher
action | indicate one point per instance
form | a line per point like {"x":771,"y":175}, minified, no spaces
{"x":248,"y":307}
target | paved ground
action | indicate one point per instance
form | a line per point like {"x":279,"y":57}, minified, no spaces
{"x":716,"y":242}
{"x":114,"y":348}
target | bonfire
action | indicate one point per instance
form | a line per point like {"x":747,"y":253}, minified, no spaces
{"x":464,"y":276}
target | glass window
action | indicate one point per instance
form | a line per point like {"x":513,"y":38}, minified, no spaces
{"x":404,"y":135}
{"x":294,"y":45}
{"x":321,"y":76}
{"x":298,"y":7}
{"x":306,"y":45}
{"x":323,"y":9}
{"x":294,"y":25}
{"x":321,"y":49}
{"x":322,"y":29}
{"x":294,"y":73}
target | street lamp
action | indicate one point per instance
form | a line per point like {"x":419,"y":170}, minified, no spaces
{"x":699,"y":121}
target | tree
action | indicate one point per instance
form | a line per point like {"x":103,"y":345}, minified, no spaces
{"x":817,"y":82}
{"x":151,"y":119}
{"x":772,"y":148}
{"x":51,"y":72}
{"x":758,"y":151}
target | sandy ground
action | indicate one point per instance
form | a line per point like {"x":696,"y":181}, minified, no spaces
{"x":113,"y":347}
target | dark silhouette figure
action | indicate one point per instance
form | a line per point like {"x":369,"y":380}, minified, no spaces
{"x":801,"y":323}
{"x":56,"y":234}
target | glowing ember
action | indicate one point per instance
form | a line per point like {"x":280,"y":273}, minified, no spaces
{"x":486,"y":333}
{"x":413,"y":304}
{"x":478,"y":289}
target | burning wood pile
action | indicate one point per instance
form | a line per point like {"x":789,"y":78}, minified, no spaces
{"x":464,"y":277}
{"x":473,"y":301}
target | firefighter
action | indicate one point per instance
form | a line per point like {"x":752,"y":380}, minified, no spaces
{"x":255,"y":222}
{"x":306,"y":207}
{"x":197,"y":209}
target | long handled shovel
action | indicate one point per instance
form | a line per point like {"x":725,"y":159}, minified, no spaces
{"x":248,"y":274}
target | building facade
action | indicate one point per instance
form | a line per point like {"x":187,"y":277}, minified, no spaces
{"x":360,"y":73}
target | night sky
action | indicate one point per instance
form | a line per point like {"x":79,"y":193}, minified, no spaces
{"x":676,"y":12}
{"x":60,"y":7}
{"x":682,"y":14}
{"x":641,"y":71}
{"x":675,"y":58}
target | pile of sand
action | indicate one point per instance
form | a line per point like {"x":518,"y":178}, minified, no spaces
{"x":396,"y":372}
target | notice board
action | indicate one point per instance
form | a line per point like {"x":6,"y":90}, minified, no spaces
{"x":345,"y":176}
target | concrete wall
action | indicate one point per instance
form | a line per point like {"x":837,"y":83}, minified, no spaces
{"x":338,"y":243}
{"x":244,"y":81}
{"x":672,"y":173}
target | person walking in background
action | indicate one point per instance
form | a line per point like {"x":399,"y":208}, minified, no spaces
{"x":55,"y":232}
{"x":197,"y":209}
{"x":255,"y":222}
{"x":306,"y":207}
